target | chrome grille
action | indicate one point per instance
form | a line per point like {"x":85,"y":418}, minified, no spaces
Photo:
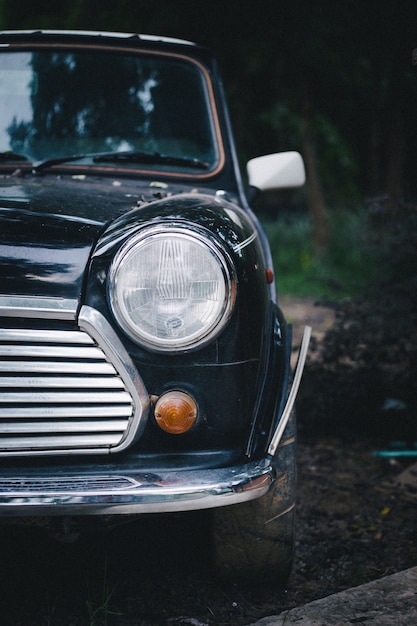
{"x":60,"y":392}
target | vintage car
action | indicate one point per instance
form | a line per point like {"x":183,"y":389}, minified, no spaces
{"x":145,"y":363}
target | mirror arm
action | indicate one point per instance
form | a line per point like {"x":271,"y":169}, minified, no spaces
{"x":252,"y":193}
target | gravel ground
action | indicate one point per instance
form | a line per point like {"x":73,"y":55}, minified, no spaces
{"x":354,"y":525}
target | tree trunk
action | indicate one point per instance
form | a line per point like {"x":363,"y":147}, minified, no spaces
{"x":315,"y":196}
{"x":395,"y":166}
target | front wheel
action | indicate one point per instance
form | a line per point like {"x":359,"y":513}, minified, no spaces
{"x":254,"y":541}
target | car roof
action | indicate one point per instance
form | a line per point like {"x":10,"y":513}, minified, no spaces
{"x":111,"y":39}
{"x":96,"y":33}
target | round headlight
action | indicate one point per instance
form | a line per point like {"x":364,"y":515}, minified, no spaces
{"x":171,"y":290}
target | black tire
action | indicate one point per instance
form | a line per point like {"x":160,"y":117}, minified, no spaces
{"x":254,"y":541}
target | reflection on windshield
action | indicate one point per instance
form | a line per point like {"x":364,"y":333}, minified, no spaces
{"x":54,"y":104}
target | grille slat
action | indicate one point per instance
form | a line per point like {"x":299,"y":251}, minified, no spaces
{"x":73,"y":426}
{"x":59,"y":412}
{"x":55,"y":443}
{"x":59,"y":391}
{"x":43,"y":336}
{"x":56,"y":367}
{"x":50,"y":352}
{"x":53,"y":397}
{"x":58,"y":382}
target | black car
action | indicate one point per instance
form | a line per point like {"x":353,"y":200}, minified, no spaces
{"x":145,"y":363}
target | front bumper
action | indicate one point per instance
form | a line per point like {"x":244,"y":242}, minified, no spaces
{"x":132,"y":492}
{"x":104,"y":492}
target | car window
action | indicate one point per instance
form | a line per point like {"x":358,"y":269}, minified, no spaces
{"x":66,"y":102}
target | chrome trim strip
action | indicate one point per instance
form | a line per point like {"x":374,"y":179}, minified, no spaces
{"x":38,"y":308}
{"x":73,"y":352}
{"x":279,"y":431}
{"x":60,"y":412}
{"x":100,"y":330}
{"x":74,"y":382}
{"x":239,"y":246}
{"x":51,"y":443}
{"x":57,"y":367}
{"x":69,"y":426}
{"x":65,"y":397}
{"x":133,"y":491}
{"x":41,"y":336}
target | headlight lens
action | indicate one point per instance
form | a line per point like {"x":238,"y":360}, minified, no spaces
{"x":171,"y":290}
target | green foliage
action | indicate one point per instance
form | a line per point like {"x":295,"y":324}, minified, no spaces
{"x":99,"y":605}
{"x":341,"y":273}
{"x":368,"y":356}
{"x":340,"y":180}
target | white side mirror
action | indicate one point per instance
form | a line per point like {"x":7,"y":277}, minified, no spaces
{"x":276,"y":171}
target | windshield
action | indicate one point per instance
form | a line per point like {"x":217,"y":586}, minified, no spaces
{"x":57,"y":103}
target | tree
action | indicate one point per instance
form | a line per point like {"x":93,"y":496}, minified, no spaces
{"x":347,"y":63}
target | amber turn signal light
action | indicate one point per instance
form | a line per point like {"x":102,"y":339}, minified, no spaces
{"x":175,"y":412}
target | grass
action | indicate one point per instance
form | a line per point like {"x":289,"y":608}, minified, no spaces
{"x":99,"y":606}
{"x":50,"y":611}
{"x":338,"y":274}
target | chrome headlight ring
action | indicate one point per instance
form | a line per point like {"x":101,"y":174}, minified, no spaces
{"x":172,"y":288}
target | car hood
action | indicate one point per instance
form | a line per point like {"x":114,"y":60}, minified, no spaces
{"x":49,"y":227}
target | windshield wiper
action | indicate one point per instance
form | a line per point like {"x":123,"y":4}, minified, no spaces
{"x":51,"y":161}
{"x":126,"y":156}
{"x":135,"y":156}
{"x":8,"y":155}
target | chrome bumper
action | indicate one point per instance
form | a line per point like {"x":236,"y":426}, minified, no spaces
{"x":136,"y":491}
{"x":132,"y":492}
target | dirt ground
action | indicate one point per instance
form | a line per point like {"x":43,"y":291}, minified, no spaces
{"x":355,"y":524}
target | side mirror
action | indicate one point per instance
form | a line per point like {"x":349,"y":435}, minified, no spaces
{"x":276,"y":171}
